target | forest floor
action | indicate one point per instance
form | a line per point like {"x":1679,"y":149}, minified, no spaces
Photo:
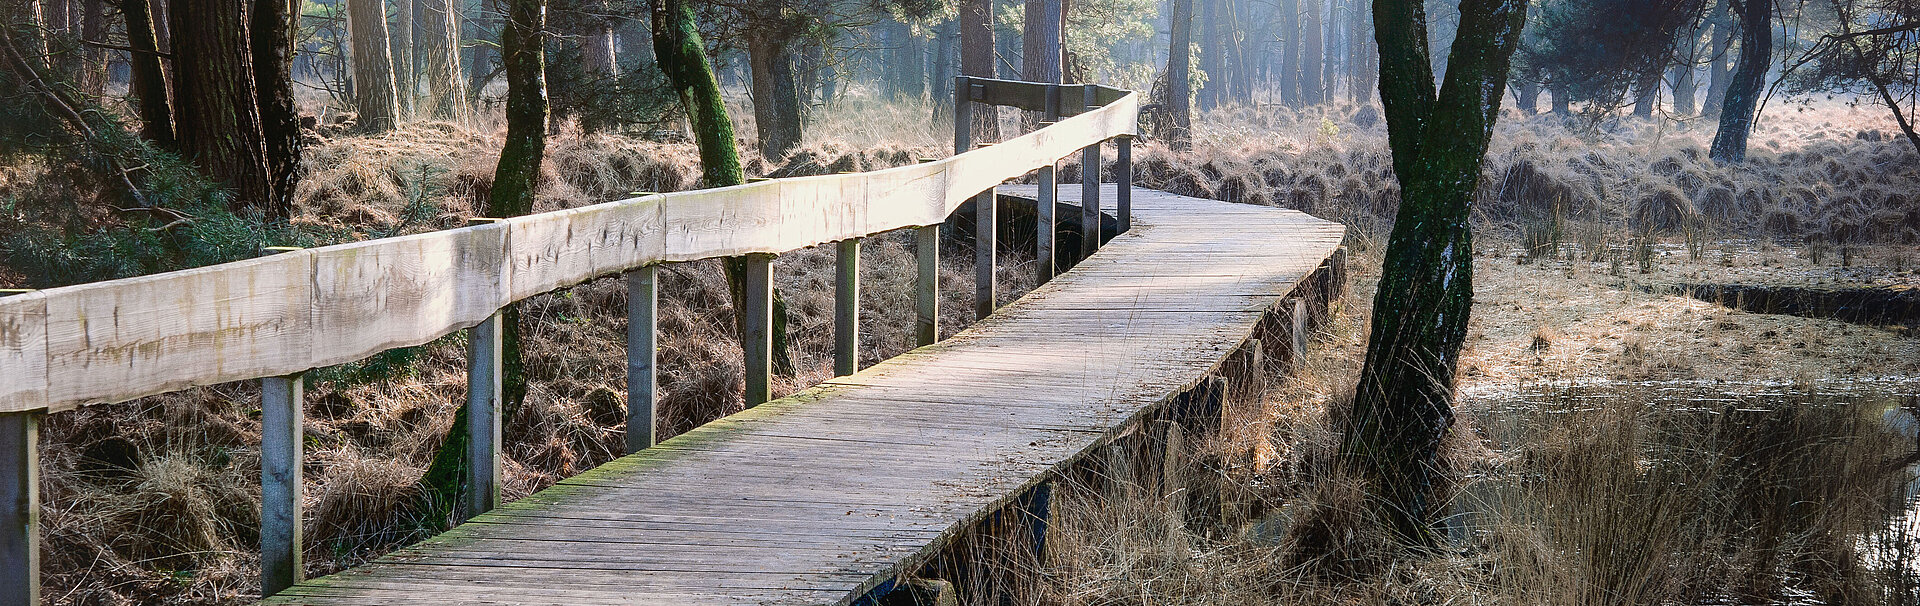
{"x":154,"y":500}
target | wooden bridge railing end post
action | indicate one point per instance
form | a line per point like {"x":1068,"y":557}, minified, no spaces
{"x":846,"y":307}
{"x":19,"y":508}
{"x":757,"y":342}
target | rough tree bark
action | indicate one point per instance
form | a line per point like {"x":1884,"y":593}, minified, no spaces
{"x":1212,"y":53}
{"x":1179,"y":85}
{"x":221,"y":130}
{"x":93,"y":28}
{"x":776,"y":98}
{"x":1748,"y":82}
{"x":1040,"y":42}
{"x":440,"y":59}
{"x":149,"y":85}
{"x":976,"y":59}
{"x":1403,"y":404}
{"x":272,"y":29}
{"x":374,"y":95}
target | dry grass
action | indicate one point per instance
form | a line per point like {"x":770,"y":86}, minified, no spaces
{"x":155,"y":500}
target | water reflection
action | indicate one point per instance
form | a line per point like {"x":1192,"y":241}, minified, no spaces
{"x":1692,"y":493}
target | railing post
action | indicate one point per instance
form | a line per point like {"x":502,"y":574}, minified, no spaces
{"x":757,"y":343}
{"x":1123,"y":173}
{"x":962,"y":114}
{"x":846,"y":307}
{"x":19,"y":509}
{"x":282,"y":413}
{"x":985,"y":240}
{"x":1089,"y":185}
{"x":1044,"y":224}
{"x":926,"y":325}
{"x":484,"y":369}
{"x":643,"y":297}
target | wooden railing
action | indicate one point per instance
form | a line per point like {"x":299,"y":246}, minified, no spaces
{"x":277,"y":316}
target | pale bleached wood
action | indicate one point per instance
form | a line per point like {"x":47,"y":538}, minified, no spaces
{"x":122,"y":339}
{"x":119,"y":340}
{"x":23,"y":351}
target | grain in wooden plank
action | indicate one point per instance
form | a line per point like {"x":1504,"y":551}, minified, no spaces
{"x":23,"y":351}
{"x":381,"y":294}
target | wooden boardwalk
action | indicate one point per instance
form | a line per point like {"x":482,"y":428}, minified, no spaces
{"x":820,"y":497}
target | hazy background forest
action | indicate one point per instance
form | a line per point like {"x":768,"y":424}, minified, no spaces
{"x":1643,"y":147}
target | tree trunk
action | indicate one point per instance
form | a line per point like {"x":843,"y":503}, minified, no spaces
{"x":93,"y":27}
{"x":1040,"y":42}
{"x":1748,"y":82}
{"x":1403,"y":404}
{"x":486,"y":32}
{"x":1211,"y":48}
{"x":1359,"y":46}
{"x":1313,"y":85}
{"x":1646,"y":94}
{"x":976,"y":59}
{"x":1179,"y":68}
{"x":1683,"y":87}
{"x":1290,"y":52}
{"x":516,"y":178}
{"x":221,"y":130}
{"x":401,"y":45}
{"x":440,"y":59}
{"x":374,"y":96}
{"x":942,"y":80}
{"x":1526,"y":96}
{"x":272,"y":28}
{"x":601,"y":67}
{"x":149,"y":84}
{"x":776,"y":103}
{"x":1717,"y":71}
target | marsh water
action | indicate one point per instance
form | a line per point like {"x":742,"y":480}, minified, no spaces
{"x":1696,"y":493}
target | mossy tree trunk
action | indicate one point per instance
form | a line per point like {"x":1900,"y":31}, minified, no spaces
{"x":515,"y":179}
{"x":682,"y":56}
{"x":1748,"y":82}
{"x":1403,"y":405}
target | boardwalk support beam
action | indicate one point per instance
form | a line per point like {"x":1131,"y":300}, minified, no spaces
{"x":484,"y":370}
{"x":643,"y":347}
{"x":846,"y":307}
{"x":19,"y":509}
{"x":281,"y":415}
{"x":757,"y":343}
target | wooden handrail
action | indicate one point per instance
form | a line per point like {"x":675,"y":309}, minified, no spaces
{"x":282,"y":314}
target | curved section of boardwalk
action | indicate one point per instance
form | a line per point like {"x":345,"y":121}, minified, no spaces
{"x":820,"y":497}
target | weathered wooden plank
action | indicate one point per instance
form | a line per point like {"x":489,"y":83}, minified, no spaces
{"x":643,"y":344}
{"x":23,"y":351}
{"x":381,"y":294}
{"x":282,"y":410}
{"x":846,"y":307}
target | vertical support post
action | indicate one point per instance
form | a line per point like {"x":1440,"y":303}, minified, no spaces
{"x":926,"y":325}
{"x":19,"y":508}
{"x":758,"y":342}
{"x":643,"y":348}
{"x":962,"y":114}
{"x":1037,"y":505}
{"x":484,"y":369}
{"x":1296,"y":332}
{"x":846,"y":308}
{"x":984,"y":242}
{"x":1089,"y":186}
{"x":1044,"y":224}
{"x":281,"y":402}
{"x":1123,"y":173}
